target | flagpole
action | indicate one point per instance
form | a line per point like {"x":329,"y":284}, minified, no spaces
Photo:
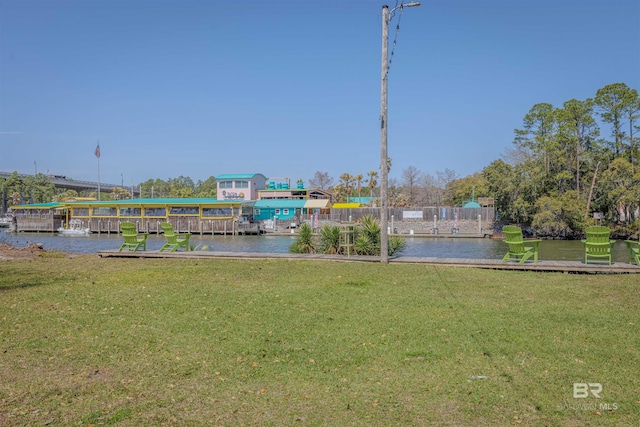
{"x":97,"y":153}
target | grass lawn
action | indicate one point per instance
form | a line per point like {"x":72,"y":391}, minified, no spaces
{"x":146,"y":342}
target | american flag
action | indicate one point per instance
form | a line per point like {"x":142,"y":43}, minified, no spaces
{"x":98,"y":151}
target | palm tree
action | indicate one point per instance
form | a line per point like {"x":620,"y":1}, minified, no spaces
{"x":373,"y":181}
{"x":347,"y":180}
{"x":337,"y":191}
{"x":358,"y":179}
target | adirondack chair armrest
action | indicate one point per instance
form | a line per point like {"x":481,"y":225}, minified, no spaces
{"x":532,"y":243}
{"x":141,"y":237}
{"x":135,"y":234}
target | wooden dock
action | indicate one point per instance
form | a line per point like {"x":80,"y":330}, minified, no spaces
{"x":493,"y":264}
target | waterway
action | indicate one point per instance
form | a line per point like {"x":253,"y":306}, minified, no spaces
{"x":439,"y":247}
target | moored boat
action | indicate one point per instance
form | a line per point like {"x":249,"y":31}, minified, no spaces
{"x":75,"y":227}
{"x":5,"y":221}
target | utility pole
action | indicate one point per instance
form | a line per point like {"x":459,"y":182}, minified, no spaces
{"x":384,"y":157}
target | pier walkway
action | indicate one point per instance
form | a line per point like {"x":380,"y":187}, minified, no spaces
{"x":493,"y":264}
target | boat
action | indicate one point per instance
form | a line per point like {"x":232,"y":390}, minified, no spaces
{"x":5,"y":221}
{"x":75,"y":228}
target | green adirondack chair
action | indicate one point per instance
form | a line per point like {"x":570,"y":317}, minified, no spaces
{"x":132,"y":239}
{"x":519,"y":249}
{"x":634,"y":250}
{"x":597,"y":245}
{"x":174,"y":241}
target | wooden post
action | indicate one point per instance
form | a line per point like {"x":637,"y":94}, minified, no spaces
{"x":384,"y":157}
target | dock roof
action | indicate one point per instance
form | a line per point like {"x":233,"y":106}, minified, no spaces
{"x":155,"y":201}
{"x":50,"y":205}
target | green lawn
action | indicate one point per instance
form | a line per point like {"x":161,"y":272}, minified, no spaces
{"x":145,"y":342}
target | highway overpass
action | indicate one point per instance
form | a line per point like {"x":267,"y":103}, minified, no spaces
{"x":61,"y":181}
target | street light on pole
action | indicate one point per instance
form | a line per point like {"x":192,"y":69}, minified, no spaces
{"x":384,"y":158}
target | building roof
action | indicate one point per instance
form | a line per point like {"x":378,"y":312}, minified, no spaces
{"x":346,"y":205}
{"x":472,"y":204}
{"x":317,"y":203}
{"x":134,"y":202}
{"x":279,"y":203}
{"x":238,"y":176}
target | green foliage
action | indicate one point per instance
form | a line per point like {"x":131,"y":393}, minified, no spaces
{"x":206,"y":188}
{"x":612,"y":101}
{"x":304,"y":243}
{"x":181,"y":187}
{"x":367,"y":236}
{"x":549,"y":220}
{"x":619,"y":192}
{"x":548,"y":185}
{"x":155,"y":189}
{"x":366,"y":239}
{"x":13,"y":189}
{"x":396,"y":245}
{"x":365,"y":245}
{"x":462,"y":189}
{"x":69,"y":194}
{"x":371,"y":228}
{"x":39,"y":189}
{"x":119,"y":193}
{"x":329,"y":239}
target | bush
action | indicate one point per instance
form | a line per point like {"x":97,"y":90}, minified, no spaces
{"x":366,"y":239}
{"x":329,"y":239}
{"x":304,"y":243}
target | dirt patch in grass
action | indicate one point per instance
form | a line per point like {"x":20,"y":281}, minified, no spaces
{"x":34,"y":250}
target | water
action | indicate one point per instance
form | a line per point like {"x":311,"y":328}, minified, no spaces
{"x":438,"y":247}
{"x":92,"y":243}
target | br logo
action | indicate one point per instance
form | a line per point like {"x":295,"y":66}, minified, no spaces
{"x":582,"y":390}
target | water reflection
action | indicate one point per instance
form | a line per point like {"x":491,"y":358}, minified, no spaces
{"x":439,"y":247}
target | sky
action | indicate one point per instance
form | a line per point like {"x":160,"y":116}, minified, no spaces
{"x":199,"y":88}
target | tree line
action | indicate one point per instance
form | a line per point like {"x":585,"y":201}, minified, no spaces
{"x":563,"y":174}
{"x":568,"y":167}
{"x":17,"y":189}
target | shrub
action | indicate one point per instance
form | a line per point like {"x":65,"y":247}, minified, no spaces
{"x":330,"y":239}
{"x":304,"y":243}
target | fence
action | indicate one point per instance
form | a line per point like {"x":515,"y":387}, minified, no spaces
{"x":425,"y":220}
{"x":445,"y":213}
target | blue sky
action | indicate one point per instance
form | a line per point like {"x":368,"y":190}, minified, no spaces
{"x":286,"y":88}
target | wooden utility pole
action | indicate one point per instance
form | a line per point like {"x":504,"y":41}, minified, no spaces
{"x":384,"y":157}
{"x":384,"y":164}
